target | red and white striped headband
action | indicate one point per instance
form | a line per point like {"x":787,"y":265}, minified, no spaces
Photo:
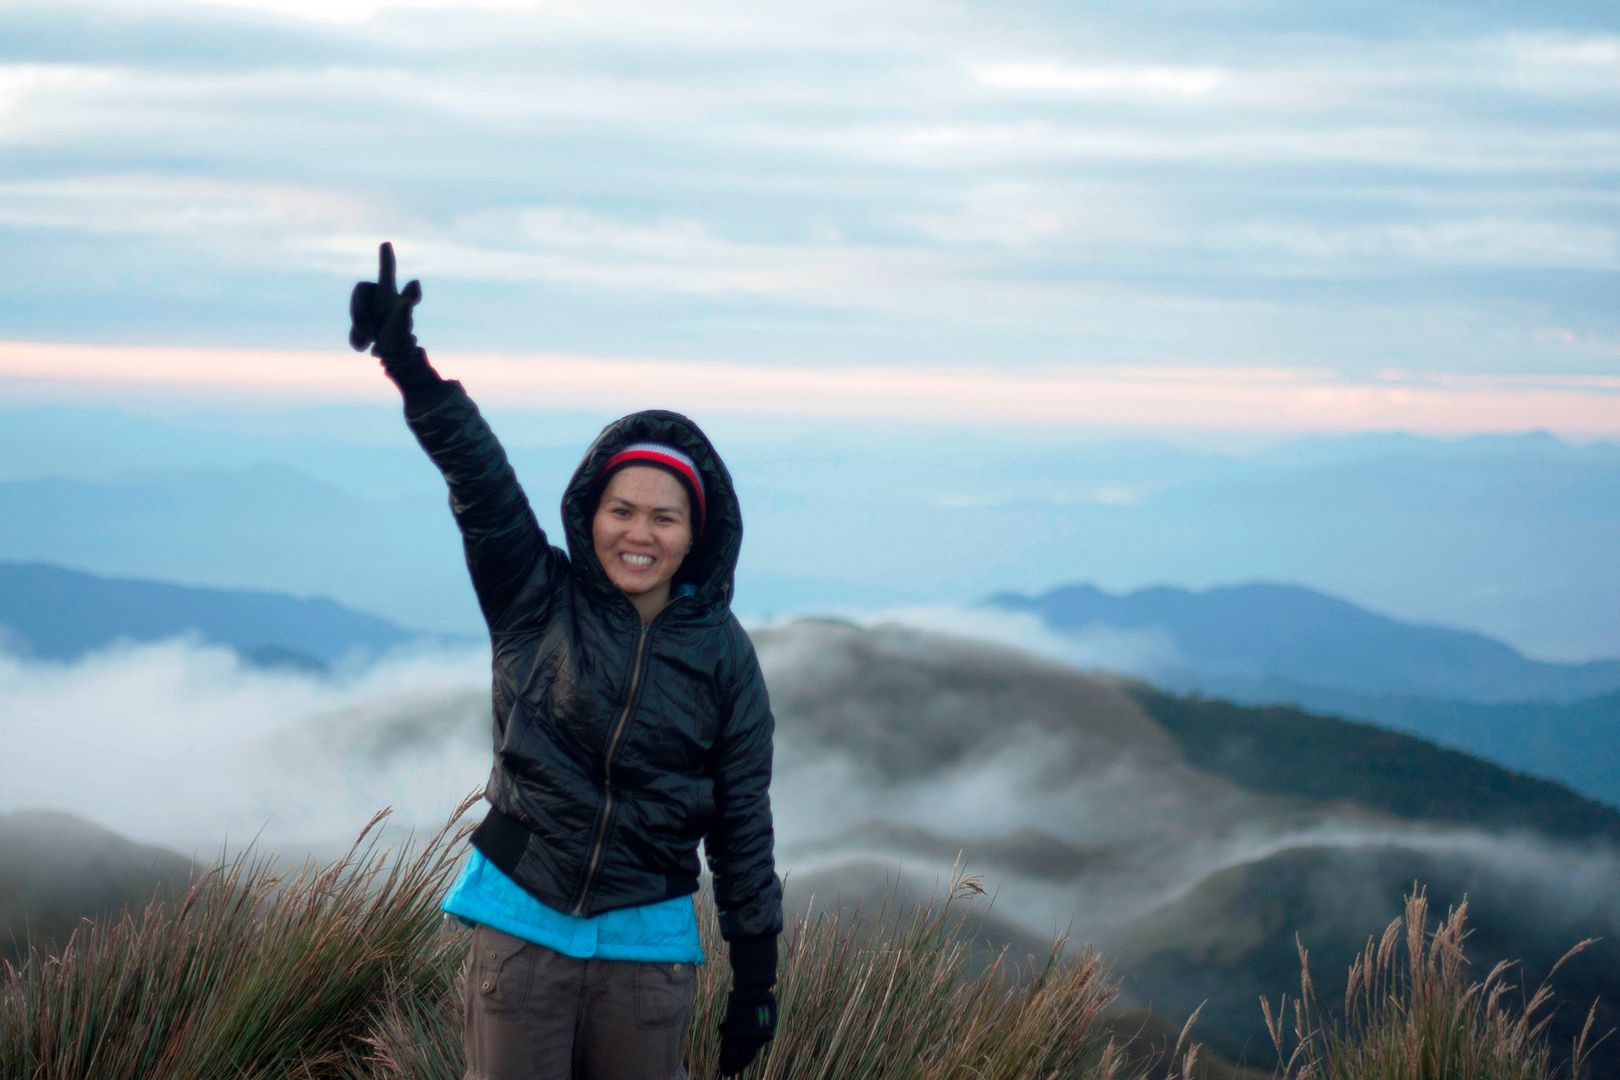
{"x":670,"y":458}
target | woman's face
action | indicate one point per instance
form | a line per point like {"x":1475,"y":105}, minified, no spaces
{"x":641,"y":532}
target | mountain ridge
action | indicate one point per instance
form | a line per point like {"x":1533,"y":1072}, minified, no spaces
{"x":1510,"y":537}
{"x":1293,"y":632}
{"x":1269,"y":644}
{"x":57,"y":613}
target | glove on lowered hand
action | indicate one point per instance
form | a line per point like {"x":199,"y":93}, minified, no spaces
{"x":750,"y":1019}
{"x":380,"y":316}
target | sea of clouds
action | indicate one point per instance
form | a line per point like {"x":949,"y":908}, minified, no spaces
{"x":185,"y":745}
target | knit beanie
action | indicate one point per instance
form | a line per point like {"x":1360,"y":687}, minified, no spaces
{"x":665,"y":457}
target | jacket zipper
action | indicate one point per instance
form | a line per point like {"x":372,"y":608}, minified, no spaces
{"x":607,"y":771}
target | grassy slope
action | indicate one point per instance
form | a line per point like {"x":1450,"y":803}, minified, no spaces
{"x":1233,"y":938}
{"x":1283,"y":750}
{"x":346,"y":972}
{"x":56,"y":869}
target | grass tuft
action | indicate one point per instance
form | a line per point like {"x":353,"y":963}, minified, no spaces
{"x":899,"y":998}
{"x":247,"y":975}
{"x":1412,"y":1012}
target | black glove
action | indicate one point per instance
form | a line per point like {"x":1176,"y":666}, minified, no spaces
{"x":750,"y":1019}
{"x":380,"y":316}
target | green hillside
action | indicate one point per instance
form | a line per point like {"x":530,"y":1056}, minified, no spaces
{"x":1283,"y":750}
{"x":56,"y":869}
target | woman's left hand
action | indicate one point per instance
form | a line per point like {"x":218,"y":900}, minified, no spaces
{"x":749,"y":1024}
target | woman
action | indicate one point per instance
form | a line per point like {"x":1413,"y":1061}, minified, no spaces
{"x":631,"y":722}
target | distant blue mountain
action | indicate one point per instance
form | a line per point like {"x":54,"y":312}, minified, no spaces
{"x":1509,"y":534}
{"x":1285,"y":634}
{"x":54,"y":613}
{"x":1285,"y":645}
{"x":260,"y":527}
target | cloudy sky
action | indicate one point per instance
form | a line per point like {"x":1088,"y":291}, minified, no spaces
{"x":1204,"y":214}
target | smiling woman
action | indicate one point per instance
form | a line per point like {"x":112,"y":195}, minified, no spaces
{"x":643,"y":528}
{"x":631,"y":723}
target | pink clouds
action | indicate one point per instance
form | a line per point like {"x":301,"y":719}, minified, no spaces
{"x":1193,"y":397}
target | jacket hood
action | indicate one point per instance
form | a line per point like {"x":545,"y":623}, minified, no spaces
{"x":712,"y":564}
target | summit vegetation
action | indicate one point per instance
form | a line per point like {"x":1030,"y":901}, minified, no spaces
{"x":348,"y":971}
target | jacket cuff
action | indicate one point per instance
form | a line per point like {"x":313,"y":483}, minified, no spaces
{"x":423,"y":395}
{"x":759,"y":914}
{"x":753,"y":962}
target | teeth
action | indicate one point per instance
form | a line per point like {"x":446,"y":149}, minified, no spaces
{"x":638,"y":560}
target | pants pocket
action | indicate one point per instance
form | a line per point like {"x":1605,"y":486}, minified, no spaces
{"x":664,"y":993}
{"x":502,"y":968}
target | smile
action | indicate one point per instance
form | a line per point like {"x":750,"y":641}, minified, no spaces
{"x":636,"y":560}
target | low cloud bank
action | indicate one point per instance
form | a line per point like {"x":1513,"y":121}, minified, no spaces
{"x":1091,"y":648}
{"x":185,"y":745}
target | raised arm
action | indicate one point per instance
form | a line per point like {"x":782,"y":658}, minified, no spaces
{"x":513,"y":567}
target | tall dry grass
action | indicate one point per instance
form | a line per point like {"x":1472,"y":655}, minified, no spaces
{"x":250,"y":974}
{"x":905,"y":997}
{"x":348,"y":971}
{"x":901,"y":995}
{"x":1412,"y":1012}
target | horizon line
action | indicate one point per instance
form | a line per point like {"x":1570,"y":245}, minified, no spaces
{"x":1259,"y":398}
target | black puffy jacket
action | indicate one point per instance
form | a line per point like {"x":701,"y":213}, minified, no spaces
{"x":618,"y":746}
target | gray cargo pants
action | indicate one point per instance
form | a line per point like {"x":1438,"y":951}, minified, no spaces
{"x":535,"y":1014}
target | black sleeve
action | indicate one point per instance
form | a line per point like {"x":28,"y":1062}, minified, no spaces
{"x":513,"y":568}
{"x":741,"y":843}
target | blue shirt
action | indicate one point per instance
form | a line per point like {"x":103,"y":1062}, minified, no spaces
{"x":664,"y":932}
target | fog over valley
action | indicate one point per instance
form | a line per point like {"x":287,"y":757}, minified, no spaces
{"x":901,"y":752}
{"x":190,"y":746}
{"x":895,"y":742}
